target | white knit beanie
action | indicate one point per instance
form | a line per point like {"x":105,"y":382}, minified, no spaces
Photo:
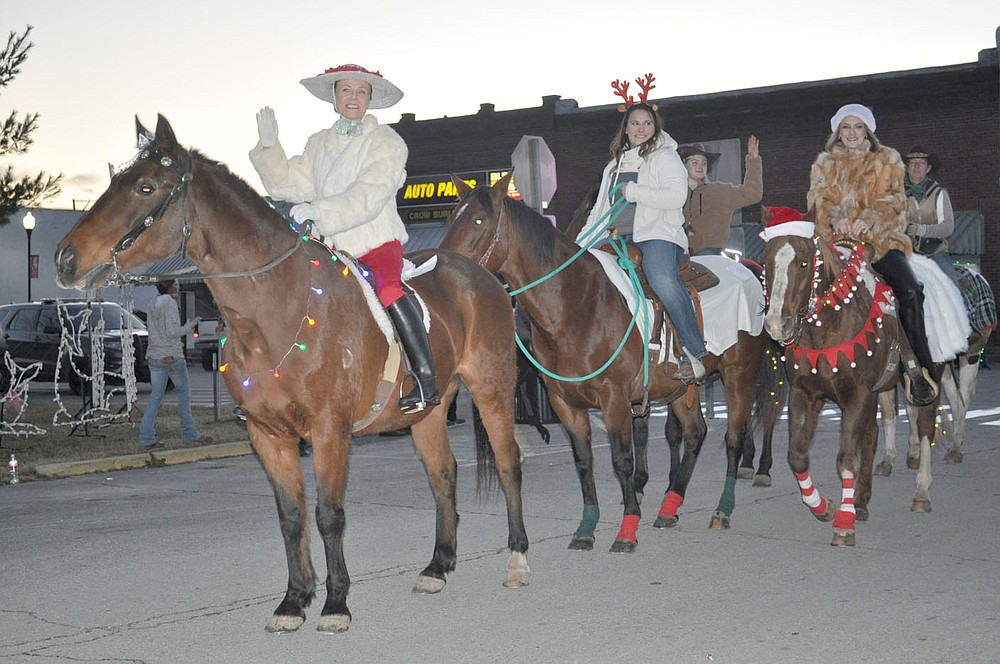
{"x":858,"y":111}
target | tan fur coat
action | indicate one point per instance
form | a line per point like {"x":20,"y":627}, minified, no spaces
{"x":861,"y":185}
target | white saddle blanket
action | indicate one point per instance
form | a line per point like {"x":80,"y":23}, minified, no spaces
{"x":945,"y":317}
{"x":736,"y":303}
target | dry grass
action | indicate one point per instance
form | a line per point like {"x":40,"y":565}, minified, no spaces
{"x":61,"y":443}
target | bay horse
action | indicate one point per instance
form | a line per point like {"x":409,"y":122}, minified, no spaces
{"x":842,"y":339}
{"x":768,"y":399}
{"x":304,"y":356}
{"x":577,"y":319}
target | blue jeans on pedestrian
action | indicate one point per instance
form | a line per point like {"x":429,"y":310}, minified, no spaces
{"x":159,"y":372}
{"x":661,"y":261}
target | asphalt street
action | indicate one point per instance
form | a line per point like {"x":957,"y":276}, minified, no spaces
{"x":185,"y":563}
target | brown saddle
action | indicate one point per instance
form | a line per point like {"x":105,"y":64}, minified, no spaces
{"x":695,"y":277}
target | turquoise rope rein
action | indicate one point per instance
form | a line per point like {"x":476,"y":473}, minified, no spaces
{"x":586,"y":243}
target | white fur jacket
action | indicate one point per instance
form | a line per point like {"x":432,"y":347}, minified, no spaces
{"x":352,"y":180}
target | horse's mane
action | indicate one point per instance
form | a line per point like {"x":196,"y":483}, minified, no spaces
{"x":534,"y":232}
{"x":833,"y":262}
{"x":240,"y":188}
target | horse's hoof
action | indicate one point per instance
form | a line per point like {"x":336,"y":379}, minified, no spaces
{"x":581,"y":543}
{"x":861,"y":513}
{"x":953,"y":456}
{"x":428,"y":585}
{"x":920,"y":505}
{"x":334,"y":623}
{"x":719,"y":521}
{"x":883,"y":469}
{"x":623,"y":546}
{"x":518,"y":573}
{"x":744,"y":473}
{"x":843,"y":538}
{"x":913,"y":463}
{"x":762,"y":479}
{"x":665,"y":521}
{"x":827,"y":515}
{"x":284,"y":623}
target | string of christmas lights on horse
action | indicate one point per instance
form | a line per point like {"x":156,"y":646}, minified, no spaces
{"x":307,"y":321}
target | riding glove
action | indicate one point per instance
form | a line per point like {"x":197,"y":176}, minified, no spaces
{"x":304,"y":212}
{"x":267,"y":127}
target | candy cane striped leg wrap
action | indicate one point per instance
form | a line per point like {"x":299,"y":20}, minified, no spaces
{"x":810,"y":494}
{"x":844,"y":518}
{"x":671,"y":502}
{"x":630,"y":524}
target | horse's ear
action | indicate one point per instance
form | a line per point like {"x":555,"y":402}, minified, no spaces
{"x":165,"y":134}
{"x":141,"y":133}
{"x":765,"y":215}
{"x":461,"y":185}
{"x":502,"y":185}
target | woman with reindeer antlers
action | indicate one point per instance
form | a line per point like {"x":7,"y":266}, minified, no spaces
{"x":644,"y":158}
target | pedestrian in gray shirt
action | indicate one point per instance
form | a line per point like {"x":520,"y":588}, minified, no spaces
{"x":165,"y":356}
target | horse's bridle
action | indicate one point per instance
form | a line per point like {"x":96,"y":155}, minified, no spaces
{"x":496,"y":237}
{"x":143,"y":222}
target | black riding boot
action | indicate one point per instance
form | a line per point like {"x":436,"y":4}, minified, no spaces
{"x":921,"y":389}
{"x":405,"y":314}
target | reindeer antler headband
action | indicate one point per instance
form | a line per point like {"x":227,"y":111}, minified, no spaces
{"x":645,"y":85}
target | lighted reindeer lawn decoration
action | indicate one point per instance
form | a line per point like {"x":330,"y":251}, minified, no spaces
{"x":305,"y":356}
{"x":843,"y":342}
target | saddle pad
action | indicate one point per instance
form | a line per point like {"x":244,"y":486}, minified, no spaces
{"x":737,"y":303}
{"x":946,"y":319}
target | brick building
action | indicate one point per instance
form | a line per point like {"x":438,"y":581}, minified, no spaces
{"x":953,"y":110}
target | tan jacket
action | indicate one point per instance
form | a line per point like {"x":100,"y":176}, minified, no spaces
{"x":861,"y":185}
{"x":931,"y":221}
{"x":710,"y":207}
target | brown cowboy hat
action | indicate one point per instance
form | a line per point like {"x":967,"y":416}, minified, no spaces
{"x":691,"y":149}
{"x":920,"y":152}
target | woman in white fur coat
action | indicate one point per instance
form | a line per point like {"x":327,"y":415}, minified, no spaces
{"x":345,"y":182}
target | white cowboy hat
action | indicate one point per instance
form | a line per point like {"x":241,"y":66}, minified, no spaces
{"x":384,"y":93}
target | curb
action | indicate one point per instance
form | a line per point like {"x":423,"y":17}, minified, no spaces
{"x":143,"y":460}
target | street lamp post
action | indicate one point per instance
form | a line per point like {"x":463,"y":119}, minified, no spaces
{"x":29,"y":225}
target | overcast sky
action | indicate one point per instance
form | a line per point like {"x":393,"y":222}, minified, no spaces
{"x":208,"y":65}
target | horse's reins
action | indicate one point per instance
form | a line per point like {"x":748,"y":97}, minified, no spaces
{"x":142,"y":223}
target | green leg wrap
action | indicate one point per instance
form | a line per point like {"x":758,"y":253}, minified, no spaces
{"x":591,"y":515}
{"x":727,"y":502}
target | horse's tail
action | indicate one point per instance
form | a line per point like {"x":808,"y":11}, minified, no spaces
{"x":770,"y":392}
{"x":486,"y":462}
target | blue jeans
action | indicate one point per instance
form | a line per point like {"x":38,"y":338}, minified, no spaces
{"x":661,"y":261}
{"x":159,"y":371}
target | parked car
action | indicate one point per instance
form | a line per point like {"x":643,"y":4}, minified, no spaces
{"x":33,"y":332}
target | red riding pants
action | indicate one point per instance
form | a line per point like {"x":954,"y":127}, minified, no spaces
{"x":386,"y":263}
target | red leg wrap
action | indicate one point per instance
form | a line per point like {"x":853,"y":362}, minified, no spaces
{"x":670,"y":504}
{"x":630,"y":524}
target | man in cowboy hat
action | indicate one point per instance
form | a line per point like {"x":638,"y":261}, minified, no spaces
{"x":929,"y":216}
{"x":345,"y":182}
{"x":709,"y":209}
